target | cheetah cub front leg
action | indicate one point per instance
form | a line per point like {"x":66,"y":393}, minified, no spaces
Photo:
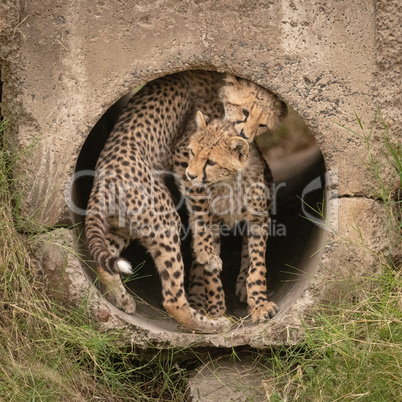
{"x":260,"y":308}
{"x":203,"y":245}
{"x":206,"y":249}
{"x":205,"y":287}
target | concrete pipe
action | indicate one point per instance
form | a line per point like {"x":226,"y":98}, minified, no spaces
{"x":65,"y":68}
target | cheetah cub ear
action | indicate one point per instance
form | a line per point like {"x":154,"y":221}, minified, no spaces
{"x":201,"y":120}
{"x":231,"y":79}
{"x":240,"y":147}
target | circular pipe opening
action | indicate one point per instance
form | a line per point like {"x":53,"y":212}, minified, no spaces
{"x":299,"y":173}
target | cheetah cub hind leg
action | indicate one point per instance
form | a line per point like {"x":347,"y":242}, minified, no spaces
{"x":241,"y":288}
{"x":115,"y":292}
{"x":196,"y":291}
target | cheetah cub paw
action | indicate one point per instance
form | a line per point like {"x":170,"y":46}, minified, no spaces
{"x":264,"y":311}
{"x":121,"y":299}
{"x":211,"y":261}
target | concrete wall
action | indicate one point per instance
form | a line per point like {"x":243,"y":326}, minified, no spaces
{"x":65,"y":63}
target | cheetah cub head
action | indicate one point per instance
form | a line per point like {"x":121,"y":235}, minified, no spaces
{"x":251,"y":108}
{"x":216,"y":151}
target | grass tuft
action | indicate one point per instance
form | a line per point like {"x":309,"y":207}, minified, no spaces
{"x":351,"y":351}
{"x":52,"y":353}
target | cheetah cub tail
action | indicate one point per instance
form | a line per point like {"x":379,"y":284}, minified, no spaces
{"x":117,"y":265}
{"x":105,"y":256}
{"x":124,"y":266}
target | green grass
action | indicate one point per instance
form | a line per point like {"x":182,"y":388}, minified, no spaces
{"x":52,"y":353}
{"x":353,"y":345}
{"x":351,"y":351}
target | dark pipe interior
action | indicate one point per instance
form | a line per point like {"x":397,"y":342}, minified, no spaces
{"x":288,"y":256}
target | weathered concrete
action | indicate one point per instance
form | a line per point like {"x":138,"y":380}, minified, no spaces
{"x":63,"y":65}
{"x":227,"y":380}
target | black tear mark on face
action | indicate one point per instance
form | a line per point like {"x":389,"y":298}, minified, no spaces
{"x":204,"y":173}
{"x":208,"y":162}
{"x":246,"y":114}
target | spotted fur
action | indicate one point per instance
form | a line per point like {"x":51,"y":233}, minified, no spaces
{"x":129,"y":200}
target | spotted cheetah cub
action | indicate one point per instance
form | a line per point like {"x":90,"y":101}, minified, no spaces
{"x":130,"y":200}
{"x":233,"y":175}
{"x":252,"y":109}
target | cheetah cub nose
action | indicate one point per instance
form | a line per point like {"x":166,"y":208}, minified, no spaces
{"x":243,"y":135}
{"x":190,"y":176}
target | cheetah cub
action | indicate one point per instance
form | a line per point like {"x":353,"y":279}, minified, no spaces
{"x":130,"y":200}
{"x":236,"y":179}
{"x":252,"y":109}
